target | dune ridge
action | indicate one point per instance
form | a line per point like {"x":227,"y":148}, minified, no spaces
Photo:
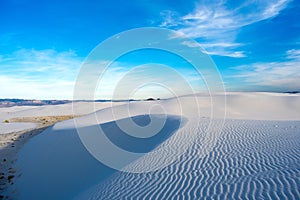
{"x":256,"y":154}
{"x":261,"y":161}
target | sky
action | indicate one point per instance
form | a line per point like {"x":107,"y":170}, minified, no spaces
{"x":255,"y":46}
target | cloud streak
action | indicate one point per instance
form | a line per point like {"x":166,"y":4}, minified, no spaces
{"x":216,"y":23}
{"x":48,"y":74}
{"x":41,"y":74}
{"x":279,"y":76}
{"x":217,"y":50}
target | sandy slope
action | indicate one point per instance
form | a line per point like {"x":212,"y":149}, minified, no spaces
{"x":251,"y":160}
{"x":263,"y":106}
{"x":47,"y":110}
{"x":14,"y":127}
{"x":12,"y":142}
{"x":246,"y":160}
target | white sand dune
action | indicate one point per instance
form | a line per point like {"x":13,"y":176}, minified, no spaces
{"x":251,"y":160}
{"x":263,"y":106}
{"x":69,"y":167}
{"x":14,"y":127}
{"x":6,"y":114}
{"x":255,"y":156}
{"x":47,"y":110}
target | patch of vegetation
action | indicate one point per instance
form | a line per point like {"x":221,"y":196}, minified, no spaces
{"x":150,"y":99}
{"x":6,"y":121}
{"x":10,"y":177}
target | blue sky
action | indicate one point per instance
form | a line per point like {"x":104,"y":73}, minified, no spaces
{"x":254,"y":44}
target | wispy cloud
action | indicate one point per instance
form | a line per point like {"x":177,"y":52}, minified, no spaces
{"x":216,"y":23}
{"x":40,"y":62}
{"x":48,"y":74}
{"x":218,"y":48}
{"x":293,"y":54}
{"x":144,"y":81}
{"x":227,"y":53}
{"x":275,"y":75}
{"x":41,"y":74}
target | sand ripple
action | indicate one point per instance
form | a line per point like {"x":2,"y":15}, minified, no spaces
{"x":251,"y":160}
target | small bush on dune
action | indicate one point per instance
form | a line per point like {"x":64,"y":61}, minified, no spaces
{"x":6,"y":121}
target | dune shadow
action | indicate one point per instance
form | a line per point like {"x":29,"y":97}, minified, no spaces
{"x":56,"y":165}
{"x":136,"y":144}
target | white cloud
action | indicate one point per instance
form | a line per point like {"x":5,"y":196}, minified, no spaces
{"x":169,"y":18}
{"x":40,"y":62}
{"x":233,"y":54}
{"x":40,"y":74}
{"x":217,"y":24}
{"x":283,"y":75}
{"x":221,"y":44}
{"x":274,"y":8}
{"x":48,"y":74}
{"x":144,"y":80}
{"x":293,"y":54}
{"x":191,"y":44}
{"x":218,"y":50}
{"x":35,"y":89}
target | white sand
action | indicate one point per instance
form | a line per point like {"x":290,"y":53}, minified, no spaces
{"x":251,"y":160}
{"x":47,"y":110}
{"x":13,"y":127}
{"x":255,"y":156}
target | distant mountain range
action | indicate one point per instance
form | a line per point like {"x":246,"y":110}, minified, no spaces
{"x":293,"y":92}
{"x":26,"y":102}
{"x":34,"y":102}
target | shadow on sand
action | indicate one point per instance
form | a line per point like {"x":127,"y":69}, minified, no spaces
{"x":56,"y":165}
